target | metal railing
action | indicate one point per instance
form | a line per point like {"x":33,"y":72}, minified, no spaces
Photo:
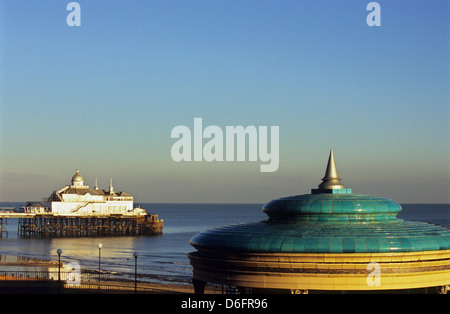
{"x":90,"y":282}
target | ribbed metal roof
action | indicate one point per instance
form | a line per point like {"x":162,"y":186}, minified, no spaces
{"x":327,"y":221}
{"x":333,"y":208}
{"x":294,"y":236}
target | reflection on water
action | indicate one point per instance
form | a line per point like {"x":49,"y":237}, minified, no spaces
{"x":14,"y":259}
{"x":166,"y":254}
{"x":24,"y":263}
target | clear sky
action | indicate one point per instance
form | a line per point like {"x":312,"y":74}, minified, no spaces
{"x":105,"y":96}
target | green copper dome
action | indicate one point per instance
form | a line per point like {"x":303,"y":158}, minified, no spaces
{"x":330,"y":220}
{"x":333,"y":208}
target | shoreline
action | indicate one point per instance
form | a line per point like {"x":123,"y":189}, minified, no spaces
{"x":15,"y":260}
{"x":16,"y":263}
{"x":40,"y":280}
{"x":30,"y":264}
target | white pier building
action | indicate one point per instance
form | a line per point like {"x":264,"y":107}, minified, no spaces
{"x":79,"y":199}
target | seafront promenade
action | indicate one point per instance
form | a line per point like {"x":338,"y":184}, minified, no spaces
{"x":19,"y":275}
{"x":44,"y":282}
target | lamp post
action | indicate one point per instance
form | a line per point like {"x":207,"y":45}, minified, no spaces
{"x":99,"y":254}
{"x":59,"y":251}
{"x":136,"y":255}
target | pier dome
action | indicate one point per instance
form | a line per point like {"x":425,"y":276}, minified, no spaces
{"x":325,"y":241}
{"x":77,"y":179}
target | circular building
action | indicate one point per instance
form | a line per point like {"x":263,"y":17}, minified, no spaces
{"x":329,"y":240}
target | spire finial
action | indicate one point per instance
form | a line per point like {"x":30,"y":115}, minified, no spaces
{"x":331,"y":179}
{"x":111,"y":189}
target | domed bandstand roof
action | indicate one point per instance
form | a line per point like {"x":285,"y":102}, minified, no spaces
{"x":330,"y":239}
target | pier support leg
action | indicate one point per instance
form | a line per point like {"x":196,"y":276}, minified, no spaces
{"x":443,"y":290}
{"x":299,"y":291}
{"x":199,"y":286}
{"x":3,"y":227}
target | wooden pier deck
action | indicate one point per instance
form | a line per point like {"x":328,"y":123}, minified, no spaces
{"x":51,"y":225}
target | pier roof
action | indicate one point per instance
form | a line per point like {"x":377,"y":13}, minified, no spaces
{"x":84,"y":191}
{"x":77,"y":187}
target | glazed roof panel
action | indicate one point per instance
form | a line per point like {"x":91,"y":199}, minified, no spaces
{"x":302,"y":237}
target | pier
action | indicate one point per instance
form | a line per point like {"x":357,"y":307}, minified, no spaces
{"x":52,"y":225}
{"x":76,"y":210}
{"x":3,"y":227}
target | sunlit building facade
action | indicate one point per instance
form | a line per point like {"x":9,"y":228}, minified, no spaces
{"x":79,"y":199}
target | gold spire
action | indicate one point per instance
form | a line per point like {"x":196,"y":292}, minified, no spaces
{"x":331,"y":179}
{"x":111,"y":189}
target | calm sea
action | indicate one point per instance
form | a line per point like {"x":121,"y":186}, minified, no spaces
{"x":164,"y":255}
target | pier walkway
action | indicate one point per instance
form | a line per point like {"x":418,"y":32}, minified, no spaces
{"x":92,"y":224}
{"x":16,"y":215}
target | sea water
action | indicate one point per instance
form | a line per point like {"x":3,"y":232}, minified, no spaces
{"x":164,"y":255}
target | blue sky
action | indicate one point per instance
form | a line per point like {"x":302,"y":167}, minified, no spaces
{"x":104,"y":97}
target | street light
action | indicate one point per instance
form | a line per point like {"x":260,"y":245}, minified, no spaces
{"x":99,"y":253}
{"x":59,"y":251}
{"x":136,"y":255}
